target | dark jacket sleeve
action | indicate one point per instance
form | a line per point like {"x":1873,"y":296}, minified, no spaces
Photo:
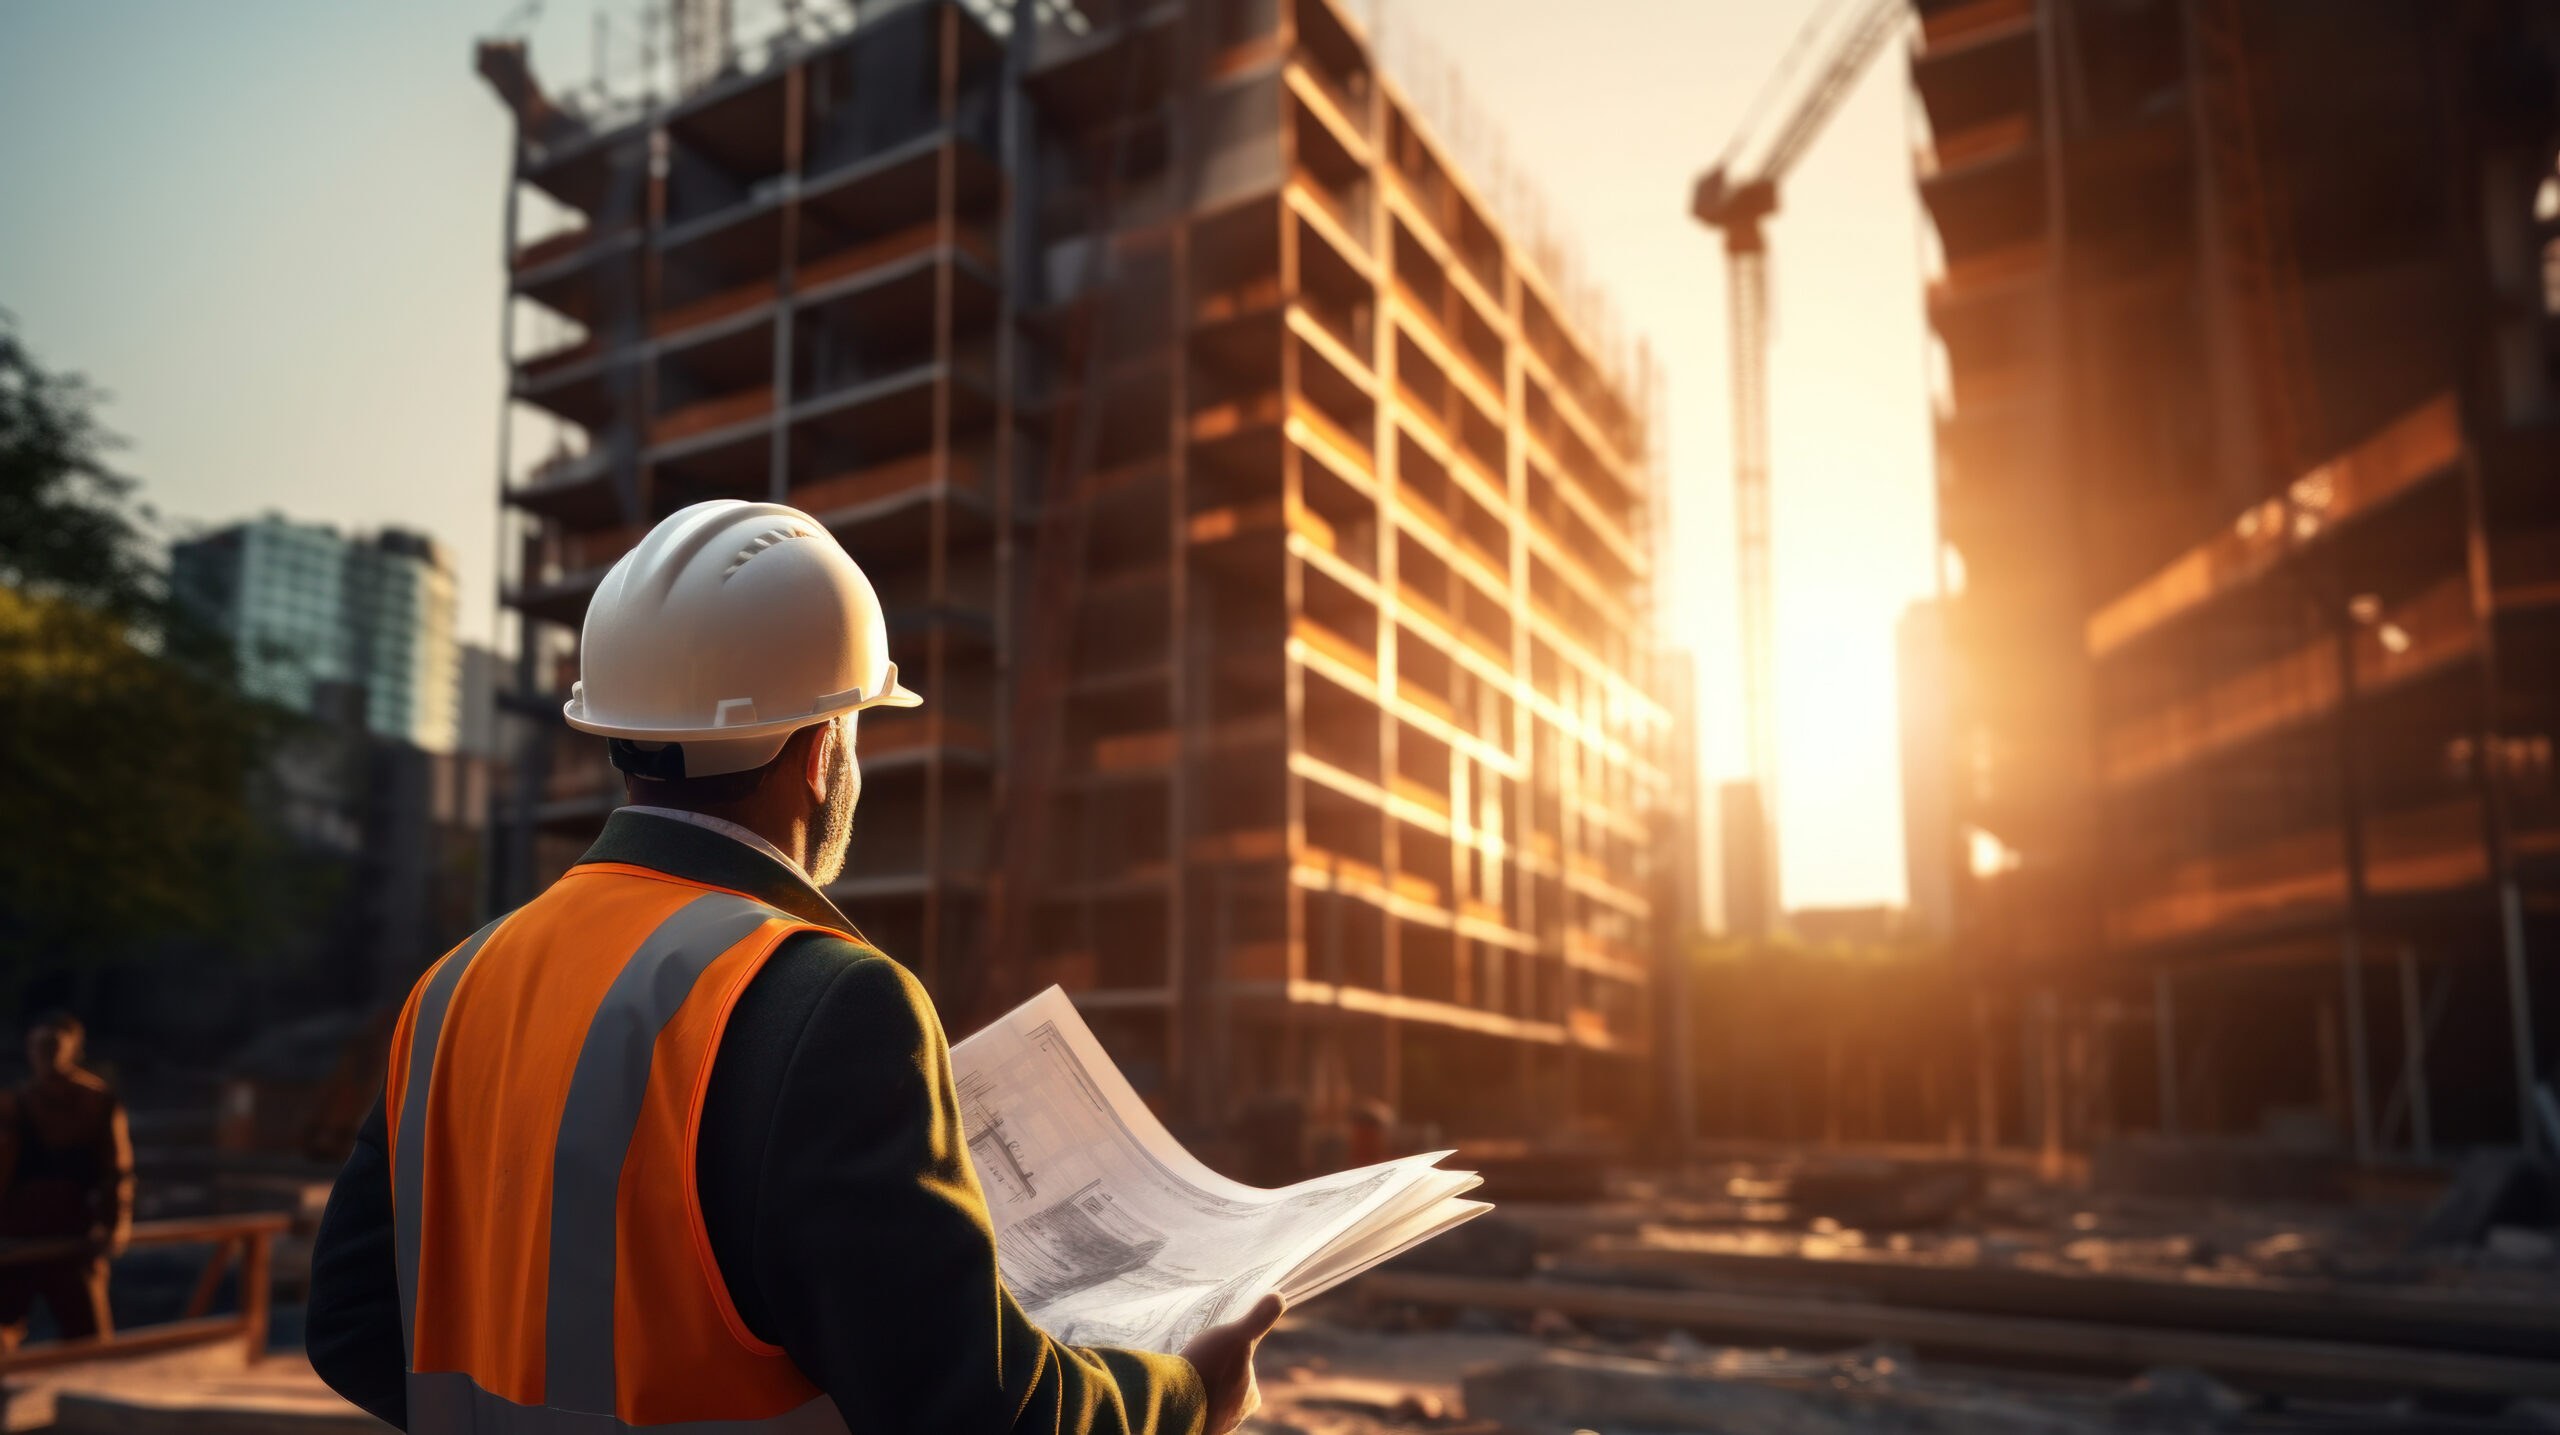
{"x":351,"y":1329}
{"x":843,"y":1214}
{"x":869,"y":1255}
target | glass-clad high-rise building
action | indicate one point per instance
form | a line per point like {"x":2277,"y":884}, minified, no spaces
{"x":307,"y":607}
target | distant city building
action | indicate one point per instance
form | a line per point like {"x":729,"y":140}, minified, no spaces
{"x":1693,"y":896}
{"x":1742,"y":824}
{"x":1875,"y":924}
{"x":307,"y":607}
{"x":1684,"y":896}
{"x":390,"y":787}
{"x":484,"y":675}
{"x":1928,"y":828}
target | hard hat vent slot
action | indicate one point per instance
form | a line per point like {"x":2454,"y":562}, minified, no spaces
{"x":674,"y":651}
{"x":763,"y":541}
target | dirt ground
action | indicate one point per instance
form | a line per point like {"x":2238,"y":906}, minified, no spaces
{"x":1332,"y":1369}
{"x":1339,"y":1368}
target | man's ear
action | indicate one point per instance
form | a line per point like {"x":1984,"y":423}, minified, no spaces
{"x":821,"y":756}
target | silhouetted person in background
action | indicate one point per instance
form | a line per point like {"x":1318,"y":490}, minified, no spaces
{"x":66,"y":1176}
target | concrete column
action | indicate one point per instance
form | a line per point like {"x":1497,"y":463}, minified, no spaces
{"x":2519,"y":1013}
{"x":1986,"y":1080}
{"x":2413,"y":1056}
{"x":2164,"y":1024}
{"x":2049,"y":1079}
{"x":2359,"y":1076}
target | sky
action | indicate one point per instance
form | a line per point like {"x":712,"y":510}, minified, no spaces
{"x":270,"y":232}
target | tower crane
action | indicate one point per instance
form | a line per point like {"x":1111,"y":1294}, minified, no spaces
{"x":1736,"y":198}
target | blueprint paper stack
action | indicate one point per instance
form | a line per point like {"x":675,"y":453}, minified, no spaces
{"x":1110,"y":1233}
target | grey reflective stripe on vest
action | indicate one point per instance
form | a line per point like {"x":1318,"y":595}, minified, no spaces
{"x":603,"y":1107}
{"x":408,"y":1180}
{"x":448,"y":1402}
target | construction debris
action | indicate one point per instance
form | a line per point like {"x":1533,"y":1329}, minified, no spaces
{"x":1871,"y":1389}
{"x":2271,"y":1363}
{"x":2492,"y":1190}
{"x":1336,"y":1370}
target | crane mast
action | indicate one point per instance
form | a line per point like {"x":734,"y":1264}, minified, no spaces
{"x":1746,"y":267}
{"x":1736,"y":200}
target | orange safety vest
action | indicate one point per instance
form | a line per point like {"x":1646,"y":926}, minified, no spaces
{"x":544,"y":1095}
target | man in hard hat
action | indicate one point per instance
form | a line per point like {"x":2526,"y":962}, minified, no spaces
{"x":670,"y":1143}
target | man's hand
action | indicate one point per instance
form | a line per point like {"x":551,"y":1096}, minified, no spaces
{"x":1224,"y":1356}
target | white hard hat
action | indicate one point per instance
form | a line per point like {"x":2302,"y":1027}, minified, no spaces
{"x":730,"y":627}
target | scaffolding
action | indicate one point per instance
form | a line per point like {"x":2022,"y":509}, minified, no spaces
{"x":1270,"y":540}
{"x":2240,"y":663}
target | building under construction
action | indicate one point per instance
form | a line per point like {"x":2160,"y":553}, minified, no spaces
{"x":2245,"y":464}
{"x":1269,"y":541}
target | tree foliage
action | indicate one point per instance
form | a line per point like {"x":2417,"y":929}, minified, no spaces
{"x":126,"y":779}
{"x":127,"y":758}
{"x":66,"y":528}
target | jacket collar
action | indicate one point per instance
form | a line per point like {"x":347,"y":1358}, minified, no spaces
{"x":698,"y":854}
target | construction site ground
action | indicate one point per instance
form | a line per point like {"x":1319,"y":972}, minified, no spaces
{"x":198,"y":1392}
{"x":1801,"y":1295}
{"x":1944,"y":1295}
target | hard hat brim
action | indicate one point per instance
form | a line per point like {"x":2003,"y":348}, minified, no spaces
{"x":894,"y":694}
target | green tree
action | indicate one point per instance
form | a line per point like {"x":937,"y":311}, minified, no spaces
{"x":127,"y":758}
{"x":67,"y":529}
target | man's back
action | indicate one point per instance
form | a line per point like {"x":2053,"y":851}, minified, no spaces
{"x":59,"y":1131}
{"x":839,"y":1230}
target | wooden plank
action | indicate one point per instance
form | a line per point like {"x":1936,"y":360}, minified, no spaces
{"x":192,"y":1231}
{"x":2255,"y":1361}
{"x":149,"y":1340}
{"x":256,"y":1272}
{"x":200,"y":1303}
{"x":207,"y":1228}
{"x":256,"y":1232}
{"x":172,"y":1408}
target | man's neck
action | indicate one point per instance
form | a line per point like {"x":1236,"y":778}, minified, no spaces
{"x":790,"y":837}
{"x":788,"y":846}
